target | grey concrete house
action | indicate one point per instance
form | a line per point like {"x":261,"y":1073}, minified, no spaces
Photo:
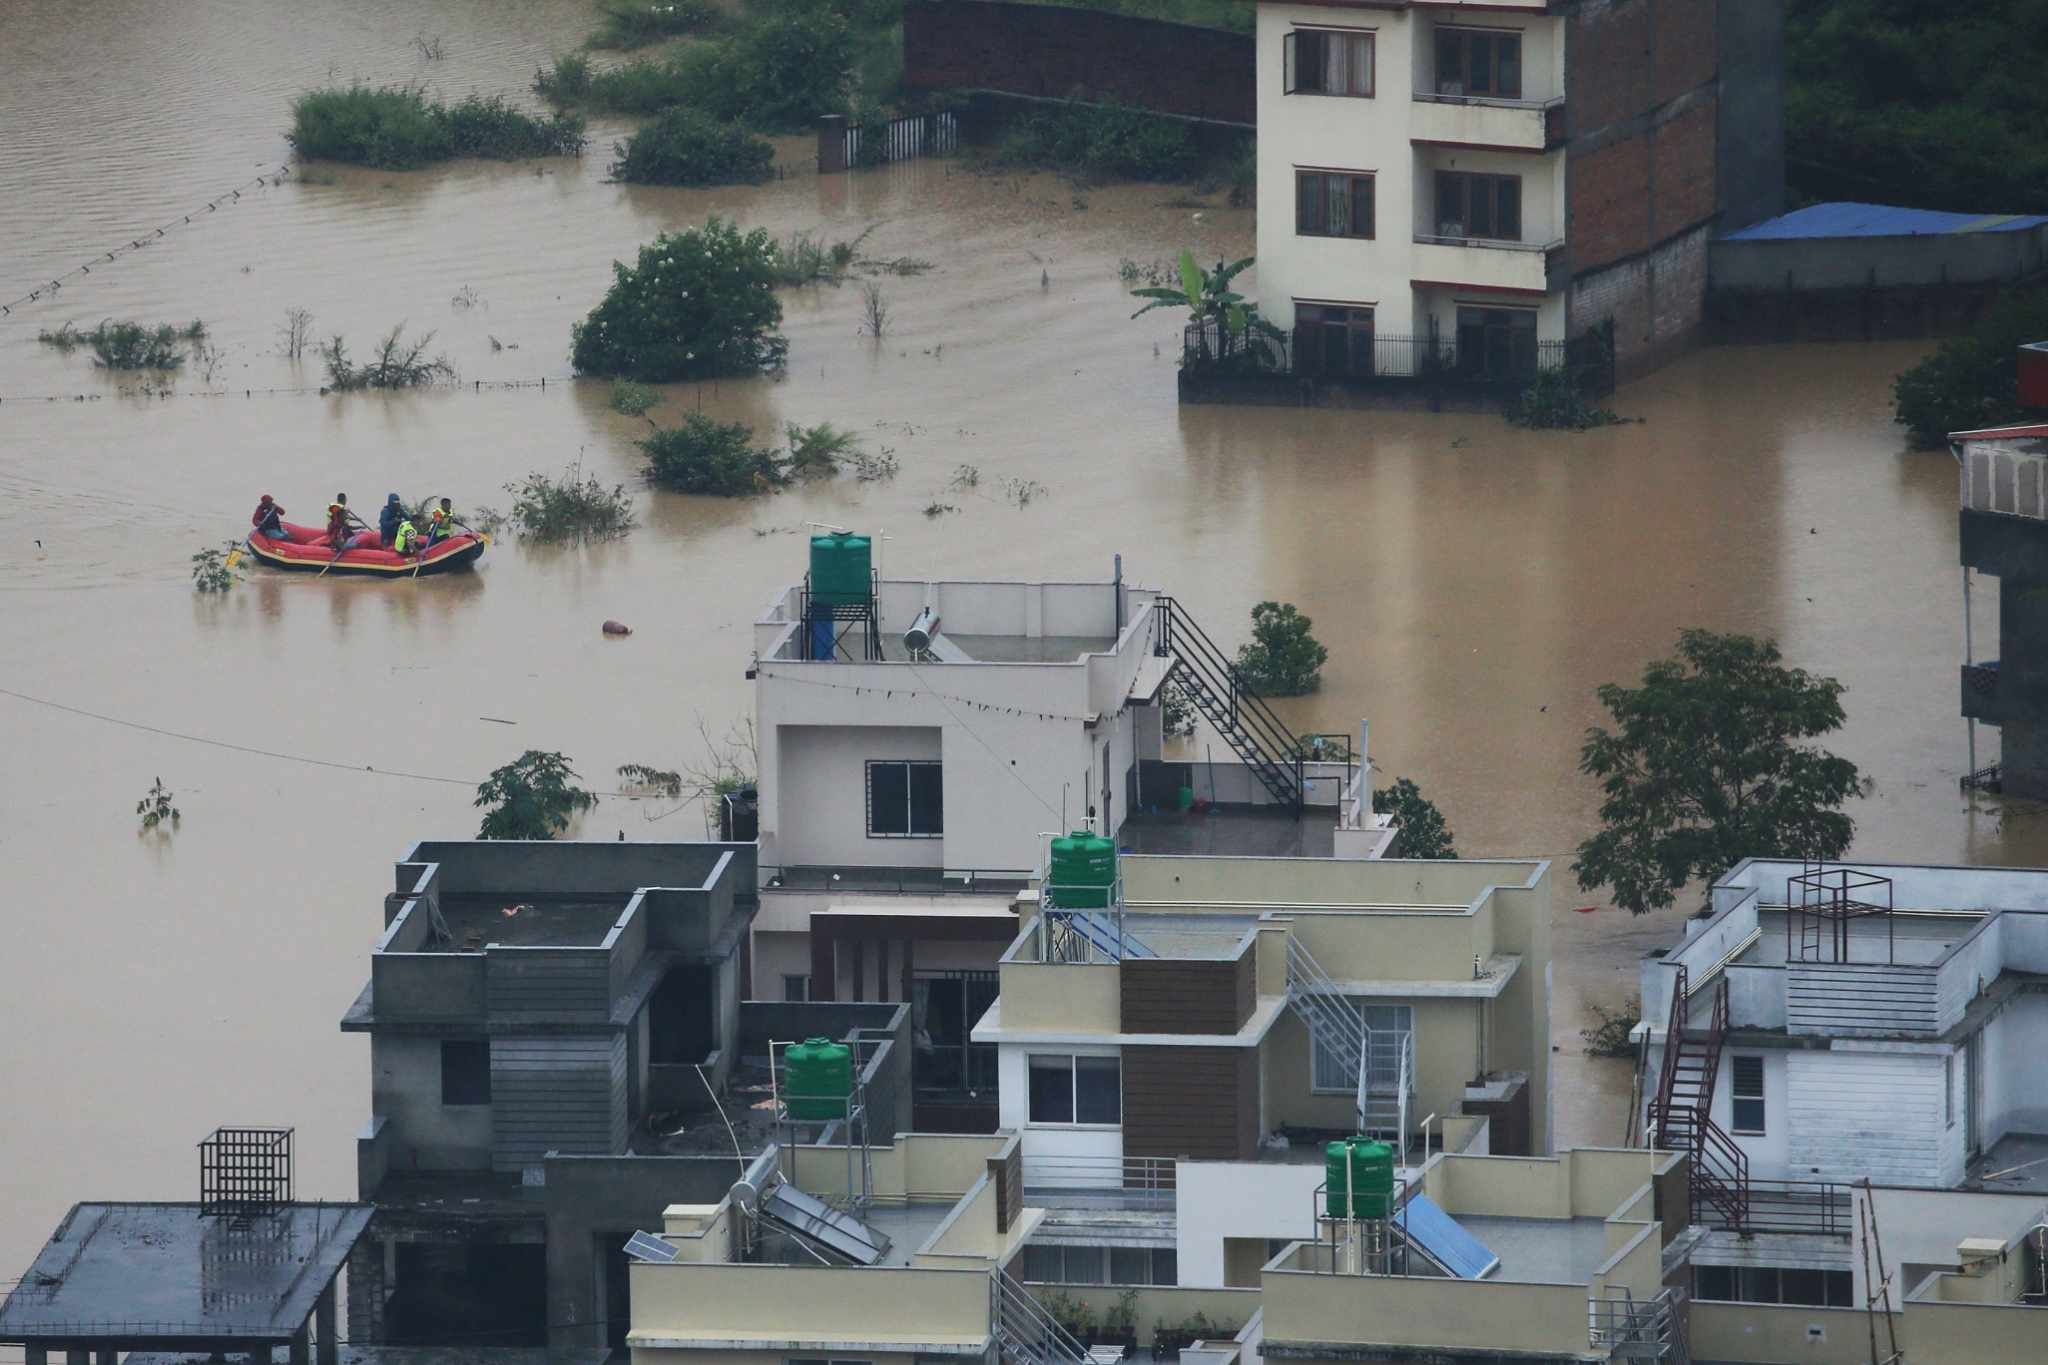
{"x":531,"y":1004}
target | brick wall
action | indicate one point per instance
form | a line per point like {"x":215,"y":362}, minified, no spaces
{"x":1050,"y":52}
{"x":1641,"y":170}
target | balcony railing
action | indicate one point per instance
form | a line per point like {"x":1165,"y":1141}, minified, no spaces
{"x":1818,"y":1207}
{"x":909,"y":881}
{"x":1099,"y":1182}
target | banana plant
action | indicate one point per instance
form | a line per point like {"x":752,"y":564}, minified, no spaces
{"x":1208,"y":297}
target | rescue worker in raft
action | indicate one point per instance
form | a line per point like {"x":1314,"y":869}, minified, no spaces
{"x":406,"y":540}
{"x":387,"y":520}
{"x":441,"y":523}
{"x":268,"y":519}
{"x":338,"y":533}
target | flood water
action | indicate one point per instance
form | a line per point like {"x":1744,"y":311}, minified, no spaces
{"x":1473,"y":584}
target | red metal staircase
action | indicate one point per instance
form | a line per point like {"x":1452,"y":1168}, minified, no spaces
{"x":1681,"y":1117}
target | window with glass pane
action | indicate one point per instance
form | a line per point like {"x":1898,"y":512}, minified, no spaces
{"x":1713,"y":1282}
{"x":1084,"y":1265}
{"x":1098,"y":1090}
{"x":1052,"y":1089}
{"x":1332,"y":341}
{"x":1480,"y":63}
{"x":1130,"y":1265}
{"x":1328,"y":62}
{"x":1746,"y":1094}
{"x":906,"y":800}
{"x":1485,"y":206}
{"x":1042,"y":1264}
{"x":1333,"y":204}
{"x":1165,"y":1265}
{"x":1386,"y":1023}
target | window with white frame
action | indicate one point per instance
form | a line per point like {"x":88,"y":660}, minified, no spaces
{"x":1069,"y":1089}
{"x":906,"y":799}
{"x":1327,"y":61}
{"x":1746,"y":1094}
{"x":1126,"y":1265}
{"x":1332,"y":1074}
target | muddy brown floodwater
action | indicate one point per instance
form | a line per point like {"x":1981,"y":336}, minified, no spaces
{"x":1474,"y":584}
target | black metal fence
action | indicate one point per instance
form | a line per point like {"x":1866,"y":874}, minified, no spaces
{"x":1818,"y":1207}
{"x":1371,"y":355}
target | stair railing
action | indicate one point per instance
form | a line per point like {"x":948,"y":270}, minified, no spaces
{"x":1268,"y":746}
{"x":1025,"y":1330}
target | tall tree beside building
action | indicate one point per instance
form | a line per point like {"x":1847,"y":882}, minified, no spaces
{"x":1705,"y":767}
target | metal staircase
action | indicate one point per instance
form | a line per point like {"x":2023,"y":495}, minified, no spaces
{"x":1681,"y":1117}
{"x":1211,"y":681}
{"x":1025,"y":1333}
{"x":1627,"y":1328}
{"x":1370,"y":1054}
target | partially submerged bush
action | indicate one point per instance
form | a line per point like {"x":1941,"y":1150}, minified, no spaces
{"x":632,"y":399}
{"x":698,"y":303}
{"x":804,"y":259}
{"x":217,"y":571}
{"x":566,"y":508}
{"x":706,"y":456}
{"x":129,"y":345}
{"x":1102,"y":142}
{"x":629,"y":24}
{"x":398,"y":127}
{"x":689,"y":147}
{"x":397,"y":364}
{"x":1283,"y":659}
{"x":1971,"y":381}
{"x":1552,"y":401}
{"x":816,"y":452}
{"x":778,"y":70}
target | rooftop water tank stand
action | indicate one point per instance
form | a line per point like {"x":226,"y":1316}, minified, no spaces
{"x":839,"y":600}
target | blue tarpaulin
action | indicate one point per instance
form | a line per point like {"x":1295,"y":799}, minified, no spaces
{"x":1879,"y":220}
{"x":1438,"y":1235}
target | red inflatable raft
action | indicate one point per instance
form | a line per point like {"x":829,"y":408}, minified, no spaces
{"x":308,"y":549}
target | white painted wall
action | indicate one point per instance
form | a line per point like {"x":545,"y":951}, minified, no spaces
{"x":2014,"y":1089}
{"x":1374,"y":135}
{"x":1013,"y":1103}
{"x":823,"y":772}
{"x":1769,"y":1153}
{"x":1870,"y":1109}
{"x":1219,"y":1199}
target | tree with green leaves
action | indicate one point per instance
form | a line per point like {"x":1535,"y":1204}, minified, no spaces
{"x":532,"y":797}
{"x":1214,"y":306}
{"x":1704,"y":767}
{"x":1283,"y":659}
{"x":1419,"y":827}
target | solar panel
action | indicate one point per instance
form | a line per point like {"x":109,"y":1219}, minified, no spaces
{"x":645,"y":1246}
{"x":1439,"y":1236}
{"x":811,"y":1217}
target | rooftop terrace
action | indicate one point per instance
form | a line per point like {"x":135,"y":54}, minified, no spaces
{"x":164,"y":1273}
{"x":475,"y":922}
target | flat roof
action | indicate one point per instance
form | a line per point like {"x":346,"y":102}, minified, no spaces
{"x":160,"y":1272}
{"x":1004,"y":649}
{"x":1233,"y":831}
{"x":2015,"y":1164}
{"x":1541,"y":1250}
{"x":937,"y":907}
{"x":1845,"y":218}
{"x":530,"y":921}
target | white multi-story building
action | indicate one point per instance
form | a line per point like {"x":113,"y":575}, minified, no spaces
{"x":1450,"y":190}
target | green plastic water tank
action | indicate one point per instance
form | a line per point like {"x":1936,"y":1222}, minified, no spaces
{"x":1370,"y":1166}
{"x":1372,"y":1178}
{"x":840,"y":568}
{"x":818,"y":1077}
{"x":1082,"y":871}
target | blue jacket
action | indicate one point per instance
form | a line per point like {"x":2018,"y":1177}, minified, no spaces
{"x":388,"y":519}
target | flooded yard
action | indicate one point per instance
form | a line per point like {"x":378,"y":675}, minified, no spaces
{"x":1473,"y":583}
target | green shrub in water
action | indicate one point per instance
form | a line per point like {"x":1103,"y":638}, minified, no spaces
{"x":716,"y":458}
{"x":1552,"y":402}
{"x":1102,"y":142}
{"x":636,"y":23}
{"x":634,"y":400}
{"x":398,"y":127}
{"x":129,"y":345}
{"x":689,"y":147}
{"x":566,"y":508}
{"x":696,"y":304}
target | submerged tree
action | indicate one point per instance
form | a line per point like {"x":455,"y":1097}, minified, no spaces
{"x":1419,"y":828}
{"x":1283,"y":659}
{"x":532,"y":797}
{"x":1214,"y":307}
{"x":1703,"y":769}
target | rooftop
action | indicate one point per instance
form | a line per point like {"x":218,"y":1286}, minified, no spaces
{"x":164,"y":1272}
{"x":1541,"y":1250}
{"x":2015,"y":1164}
{"x":1234,"y":831}
{"x":504,"y":921}
{"x":1847,"y":219}
{"x":972,"y":622}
